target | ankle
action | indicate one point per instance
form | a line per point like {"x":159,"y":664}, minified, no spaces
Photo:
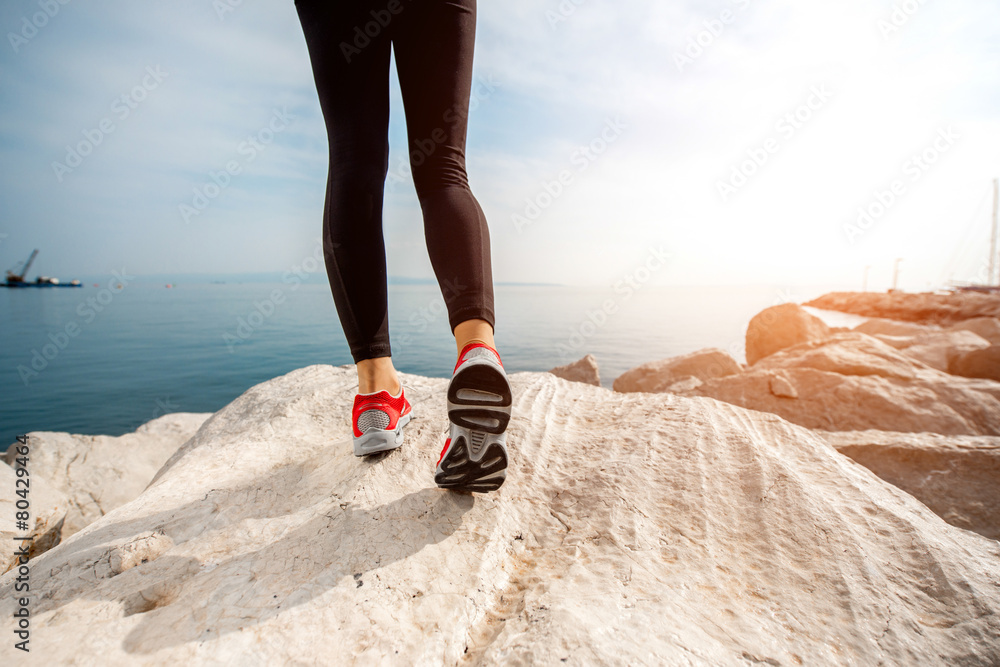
{"x":378,"y":375}
{"x":469,"y":341}
{"x":473,"y":331}
{"x":375,"y":385}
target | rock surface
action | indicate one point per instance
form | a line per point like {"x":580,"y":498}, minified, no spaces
{"x":958,"y":477}
{"x":923,"y":307}
{"x":582,"y":370}
{"x":633,"y":529}
{"x":781,"y":326}
{"x":662,"y":374}
{"x":101,"y":472}
{"x":852,"y":381}
{"x":977,"y":363}
{"x":879,"y":326}
{"x":47,"y":511}
{"x":781,"y":386}
{"x":940,"y":350}
{"x":932,"y":345}
{"x":986,"y":327}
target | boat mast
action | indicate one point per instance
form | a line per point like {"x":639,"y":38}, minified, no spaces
{"x":993,"y":236}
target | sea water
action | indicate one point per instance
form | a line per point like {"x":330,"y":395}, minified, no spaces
{"x":108,"y":357}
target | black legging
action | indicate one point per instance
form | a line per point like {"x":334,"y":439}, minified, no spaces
{"x":349,"y":43}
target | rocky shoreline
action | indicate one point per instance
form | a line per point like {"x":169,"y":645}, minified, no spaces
{"x":918,"y":404}
{"x":835,"y":500}
{"x":931,"y":308}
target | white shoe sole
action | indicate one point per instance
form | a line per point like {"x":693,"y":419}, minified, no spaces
{"x":374,"y":442}
{"x":479,"y":408}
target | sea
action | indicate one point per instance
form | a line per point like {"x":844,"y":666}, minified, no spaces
{"x":121,"y":351}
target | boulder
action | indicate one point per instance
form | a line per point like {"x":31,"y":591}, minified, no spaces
{"x":943,"y":309}
{"x":958,"y":477}
{"x":977,"y":363}
{"x":781,"y":386}
{"x":781,"y":326}
{"x":100,"y":472}
{"x":632,"y":529}
{"x":985,"y":327}
{"x":938,"y":350}
{"x":855,"y":382}
{"x":930,"y":345}
{"x":582,"y":370}
{"x":659,"y":375}
{"x":898,"y":342}
{"x":883,"y":327}
{"x":47,"y":508}
{"x":847,"y":354}
{"x":683,"y":384}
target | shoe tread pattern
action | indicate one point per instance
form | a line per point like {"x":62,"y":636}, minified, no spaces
{"x":461,"y":473}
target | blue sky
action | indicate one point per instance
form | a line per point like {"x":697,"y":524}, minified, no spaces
{"x":739,"y":137}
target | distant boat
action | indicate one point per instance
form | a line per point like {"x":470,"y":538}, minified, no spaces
{"x":16,"y":279}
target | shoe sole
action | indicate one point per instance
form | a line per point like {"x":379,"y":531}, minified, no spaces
{"x":459,"y":471}
{"x":479,"y":398}
{"x":479,"y":408}
{"x":374,"y":442}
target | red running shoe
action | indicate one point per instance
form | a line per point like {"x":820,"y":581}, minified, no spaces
{"x":378,"y":421}
{"x":474,"y":457}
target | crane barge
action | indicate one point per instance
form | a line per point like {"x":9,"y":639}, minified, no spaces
{"x":15,"y":278}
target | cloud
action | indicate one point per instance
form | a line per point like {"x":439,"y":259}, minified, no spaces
{"x":562,"y":71}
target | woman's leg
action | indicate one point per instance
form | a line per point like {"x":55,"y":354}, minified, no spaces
{"x":352,"y":80}
{"x":474,"y":331}
{"x":434,"y":43}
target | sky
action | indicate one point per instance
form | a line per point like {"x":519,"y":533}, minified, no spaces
{"x":730,"y":141}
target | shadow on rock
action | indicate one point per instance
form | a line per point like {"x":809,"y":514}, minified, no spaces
{"x":342,"y":543}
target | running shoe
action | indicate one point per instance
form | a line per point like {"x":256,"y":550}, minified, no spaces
{"x":378,"y":421}
{"x":474,"y":457}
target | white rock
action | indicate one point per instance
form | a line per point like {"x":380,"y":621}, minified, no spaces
{"x":882,"y":326}
{"x":101,"y":472}
{"x":937,"y":349}
{"x":633,"y":529}
{"x":781,"y":385}
{"x":956,"y":476}
{"x":659,"y":375}
{"x":852,"y":381}
{"x":780,"y":327}
{"x":47,"y":508}
{"x":582,"y":370}
{"x":986,"y":327}
{"x":981,"y":363}
{"x":897,"y":342}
